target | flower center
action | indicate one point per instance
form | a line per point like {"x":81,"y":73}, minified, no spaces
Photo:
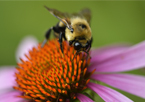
{"x":50,"y":75}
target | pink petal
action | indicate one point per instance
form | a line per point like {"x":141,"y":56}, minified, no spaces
{"x":26,"y":44}
{"x":130,"y":83}
{"x":107,"y":94}
{"x":130,"y":59}
{"x":103,"y":53}
{"x":11,"y":97}
{"x":83,"y":98}
{"x":7,"y":79}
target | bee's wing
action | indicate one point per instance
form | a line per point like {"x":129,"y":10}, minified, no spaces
{"x":57,"y":13}
{"x":61,"y":16}
{"x":65,"y":17}
{"x":86,"y":13}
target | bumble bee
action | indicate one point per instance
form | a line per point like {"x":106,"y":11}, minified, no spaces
{"x":75,"y":28}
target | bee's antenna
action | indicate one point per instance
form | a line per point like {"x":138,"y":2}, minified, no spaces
{"x":66,"y":24}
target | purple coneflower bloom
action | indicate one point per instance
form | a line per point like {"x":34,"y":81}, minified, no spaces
{"x":107,"y":62}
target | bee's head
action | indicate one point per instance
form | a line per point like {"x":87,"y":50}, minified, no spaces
{"x":80,"y":27}
{"x":80,"y":35}
{"x":81,"y":47}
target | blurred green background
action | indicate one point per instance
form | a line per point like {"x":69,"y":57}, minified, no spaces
{"x":112,"y":22}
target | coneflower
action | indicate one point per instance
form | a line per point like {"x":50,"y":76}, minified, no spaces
{"x":51,"y":76}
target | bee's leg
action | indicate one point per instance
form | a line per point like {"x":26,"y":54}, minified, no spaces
{"x":90,"y":45}
{"x":88,"y":48}
{"x":75,"y":54}
{"x":47,"y":35}
{"x":60,"y":41}
{"x":87,"y":52}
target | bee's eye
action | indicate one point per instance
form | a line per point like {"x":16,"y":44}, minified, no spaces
{"x":77,"y":45}
{"x":83,"y":26}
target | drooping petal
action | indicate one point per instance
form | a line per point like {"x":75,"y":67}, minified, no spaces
{"x":130,"y":83}
{"x":83,"y":98}
{"x":130,"y":59}
{"x":11,"y":97}
{"x":26,"y":44}
{"x":107,"y":94}
{"x":7,"y":79}
{"x":103,"y":53}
